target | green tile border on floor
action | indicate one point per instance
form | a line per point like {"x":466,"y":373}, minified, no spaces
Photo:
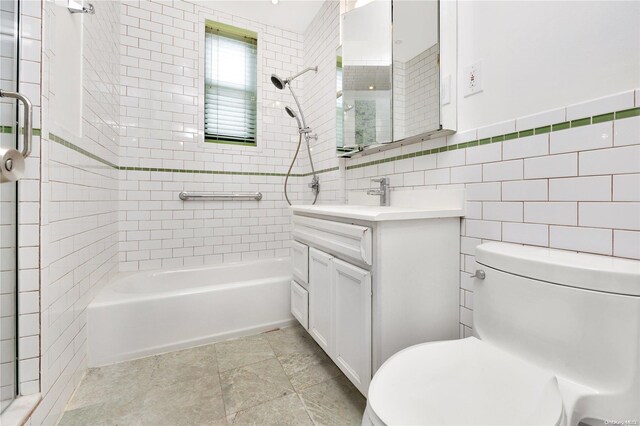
{"x":67,"y":144}
{"x":601,"y":118}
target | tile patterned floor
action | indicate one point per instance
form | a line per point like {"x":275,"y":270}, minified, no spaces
{"x":276,"y":378}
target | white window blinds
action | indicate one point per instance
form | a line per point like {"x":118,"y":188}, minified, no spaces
{"x":230,"y":85}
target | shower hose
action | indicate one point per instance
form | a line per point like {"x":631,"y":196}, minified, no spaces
{"x":313,"y":170}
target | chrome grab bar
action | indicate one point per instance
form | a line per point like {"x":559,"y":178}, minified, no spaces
{"x":220,"y":196}
{"x":28,"y":118}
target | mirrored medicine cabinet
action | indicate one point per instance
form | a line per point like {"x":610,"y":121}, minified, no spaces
{"x":395,"y":74}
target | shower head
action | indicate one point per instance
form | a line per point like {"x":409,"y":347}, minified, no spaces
{"x":278,"y":82}
{"x":293,"y":114}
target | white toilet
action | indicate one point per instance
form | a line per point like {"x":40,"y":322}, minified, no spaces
{"x":556,"y":341}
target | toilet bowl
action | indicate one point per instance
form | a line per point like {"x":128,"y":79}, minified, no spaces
{"x":541,"y":354}
{"x":463,"y":382}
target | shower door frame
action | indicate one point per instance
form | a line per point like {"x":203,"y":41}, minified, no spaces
{"x":15,"y":135}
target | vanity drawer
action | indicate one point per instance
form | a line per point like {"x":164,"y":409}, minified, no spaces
{"x":300,"y":262}
{"x":300,"y":304}
{"x":351,"y":242}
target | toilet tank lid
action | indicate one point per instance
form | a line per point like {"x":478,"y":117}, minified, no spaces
{"x":581,"y":270}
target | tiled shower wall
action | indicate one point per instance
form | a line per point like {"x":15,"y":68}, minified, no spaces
{"x":28,"y":211}
{"x":567,"y":179}
{"x":320,"y":42}
{"x":162,"y":150}
{"x":79,"y":212}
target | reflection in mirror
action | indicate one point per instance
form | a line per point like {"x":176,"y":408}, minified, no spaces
{"x":364,"y":98}
{"x":416,"y":105}
{"x":339,"y":105}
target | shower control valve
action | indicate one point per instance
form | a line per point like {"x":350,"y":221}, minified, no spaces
{"x":315,"y":184}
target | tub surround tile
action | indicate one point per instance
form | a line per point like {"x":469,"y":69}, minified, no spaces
{"x":334,"y":402}
{"x":626,"y":244}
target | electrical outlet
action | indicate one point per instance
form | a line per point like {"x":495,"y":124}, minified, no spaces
{"x":472,"y":79}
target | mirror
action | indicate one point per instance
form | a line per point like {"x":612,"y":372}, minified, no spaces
{"x":415,"y":68}
{"x":394,"y":72}
{"x":364,"y":68}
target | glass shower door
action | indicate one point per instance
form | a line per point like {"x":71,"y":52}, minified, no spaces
{"x":9,"y":133}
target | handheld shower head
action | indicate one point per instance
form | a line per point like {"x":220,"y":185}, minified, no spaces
{"x":278,"y":82}
{"x":293,"y":114}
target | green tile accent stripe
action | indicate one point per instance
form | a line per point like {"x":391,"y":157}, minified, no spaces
{"x":618,"y":115}
{"x":628,"y":113}
{"x":561,"y":126}
{"x":602,"y":118}
{"x":581,"y":122}
{"x":9,"y":129}
{"x":86,"y":153}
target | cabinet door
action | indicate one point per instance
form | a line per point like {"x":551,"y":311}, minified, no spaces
{"x":300,"y":262}
{"x":300,"y":304}
{"x":320,"y":299}
{"x":352,"y":338}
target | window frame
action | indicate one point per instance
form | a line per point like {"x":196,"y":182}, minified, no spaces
{"x":212,"y":141}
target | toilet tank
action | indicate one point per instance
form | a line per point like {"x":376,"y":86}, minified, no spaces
{"x":576,"y":314}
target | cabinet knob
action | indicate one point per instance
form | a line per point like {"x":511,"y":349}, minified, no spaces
{"x":479,"y":274}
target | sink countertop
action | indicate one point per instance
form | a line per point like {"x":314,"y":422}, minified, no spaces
{"x":378,"y":213}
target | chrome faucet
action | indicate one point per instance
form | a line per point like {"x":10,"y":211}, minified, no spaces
{"x":383,"y":192}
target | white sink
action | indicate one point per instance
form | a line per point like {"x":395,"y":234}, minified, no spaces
{"x":405,"y":205}
{"x":377,"y":213}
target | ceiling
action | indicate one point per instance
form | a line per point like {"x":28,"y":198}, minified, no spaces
{"x":293,"y":15}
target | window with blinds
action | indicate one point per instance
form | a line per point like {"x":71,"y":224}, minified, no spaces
{"x":230,"y":84}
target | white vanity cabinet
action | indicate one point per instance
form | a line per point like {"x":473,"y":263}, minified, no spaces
{"x":374,"y":287}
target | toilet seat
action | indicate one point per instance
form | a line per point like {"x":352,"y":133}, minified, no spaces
{"x":462,"y":382}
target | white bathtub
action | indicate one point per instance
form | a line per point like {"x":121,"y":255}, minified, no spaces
{"x":146,"y":313}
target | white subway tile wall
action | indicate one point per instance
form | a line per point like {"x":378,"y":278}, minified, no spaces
{"x":162,"y":63}
{"x":28,"y":201}
{"x":575,"y":189}
{"x":321,"y":40}
{"x":109,"y":198}
{"x":79,"y":211}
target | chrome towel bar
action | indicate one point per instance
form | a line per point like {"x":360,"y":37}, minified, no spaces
{"x":220,"y":196}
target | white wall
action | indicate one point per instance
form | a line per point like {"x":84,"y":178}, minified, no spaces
{"x":541,"y":55}
{"x":573,"y":189}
